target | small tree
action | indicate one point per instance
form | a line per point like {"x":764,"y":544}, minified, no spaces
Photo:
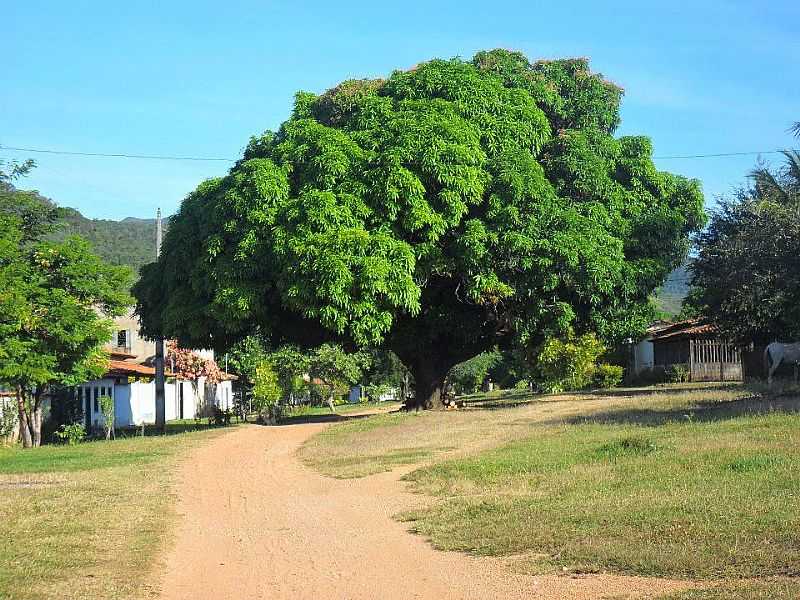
{"x":569,"y":363}
{"x":468,"y":376}
{"x":107,"y":408}
{"x":336,"y":369}
{"x":53,"y":298}
{"x":267,"y":392}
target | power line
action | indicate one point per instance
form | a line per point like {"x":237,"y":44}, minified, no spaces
{"x":117,"y":155}
{"x":721,"y":154}
{"x":219,"y":159}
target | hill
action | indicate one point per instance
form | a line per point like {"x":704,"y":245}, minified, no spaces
{"x":130,"y":241}
{"x":669,"y":297}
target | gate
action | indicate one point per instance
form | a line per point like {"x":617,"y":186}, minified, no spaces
{"x":712,"y":360}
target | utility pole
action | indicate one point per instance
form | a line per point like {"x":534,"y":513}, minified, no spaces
{"x":161,"y":404}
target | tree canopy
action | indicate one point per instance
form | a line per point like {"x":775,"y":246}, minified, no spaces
{"x":53,"y":298}
{"x":439,"y":212}
{"x":746,"y":276}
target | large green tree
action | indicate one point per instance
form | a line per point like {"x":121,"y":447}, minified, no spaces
{"x":53,"y":298}
{"x":439,"y":212}
{"x":746,"y":276}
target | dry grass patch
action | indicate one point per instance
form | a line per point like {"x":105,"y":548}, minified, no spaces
{"x":85,"y":521}
{"x":362,"y":447}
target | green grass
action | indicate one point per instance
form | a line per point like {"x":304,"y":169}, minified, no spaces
{"x":767,"y":589}
{"x":685,"y":481}
{"x":86,"y":521}
{"x":672,"y":500}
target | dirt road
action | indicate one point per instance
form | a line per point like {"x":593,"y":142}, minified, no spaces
{"x":258,"y":524}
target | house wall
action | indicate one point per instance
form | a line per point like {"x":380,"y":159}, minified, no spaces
{"x":673,"y":352}
{"x":135,"y":401}
{"x":89,"y":395}
{"x":141,"y":348}
{"x":643,"y":356}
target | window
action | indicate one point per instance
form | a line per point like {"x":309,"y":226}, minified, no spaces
{"x":122,"y":338}
{"x":96,"y":401}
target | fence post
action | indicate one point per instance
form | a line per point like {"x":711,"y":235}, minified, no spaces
{"x":691,"y":358}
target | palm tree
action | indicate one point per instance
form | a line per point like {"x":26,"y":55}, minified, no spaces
{"x":781,"y":185}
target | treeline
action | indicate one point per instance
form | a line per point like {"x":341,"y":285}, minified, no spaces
{"x":130,"y":242}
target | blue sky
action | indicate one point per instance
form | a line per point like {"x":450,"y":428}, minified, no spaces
{"x":199,"y":78}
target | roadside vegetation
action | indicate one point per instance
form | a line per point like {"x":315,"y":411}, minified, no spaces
{"x":85,"y":521}
{"x":683,"y":481}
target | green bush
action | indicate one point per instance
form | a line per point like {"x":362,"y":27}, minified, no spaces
{"x":267,"y":393}
{"x":569,"y":363}
{"x":468,"y":376}
{"x":8,"y":420}
{"x":71,"y":434}
{"x":677,"y":373}
{"x":607,"y":376}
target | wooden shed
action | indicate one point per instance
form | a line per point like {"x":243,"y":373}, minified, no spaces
{"x":696,"y":345}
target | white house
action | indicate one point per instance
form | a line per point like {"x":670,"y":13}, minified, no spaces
{"x":643,"y":357}
{"x":132,"y":387}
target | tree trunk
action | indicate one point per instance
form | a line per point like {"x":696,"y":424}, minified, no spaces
{"x":331,"y":405}
{"x":24,"y":423}
{"x":429,"y":386}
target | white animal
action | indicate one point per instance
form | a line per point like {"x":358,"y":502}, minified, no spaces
{"x":777,"y":353}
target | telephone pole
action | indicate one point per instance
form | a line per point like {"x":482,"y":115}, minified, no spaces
{"x":161,"y":404}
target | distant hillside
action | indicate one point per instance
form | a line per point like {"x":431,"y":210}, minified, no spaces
{"x":669,"y":297}
{"x":129,"y":242}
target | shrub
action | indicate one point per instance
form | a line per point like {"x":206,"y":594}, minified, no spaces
{"x":267,"y":393}
{"x":569,"y":363}
{"x":677,"y":373}
{"x":71,"y":434}
{"x":107,"y":408}
{"x":629,"y":446}
{"x":607,"y":376}
{"x":468,"y":376}
{"x":8,"y":420}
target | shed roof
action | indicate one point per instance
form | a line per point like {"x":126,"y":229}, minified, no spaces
{"x":698,"y":327}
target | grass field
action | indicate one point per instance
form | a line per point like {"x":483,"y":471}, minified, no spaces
{"x":699,"y":482}
{"x":85,"y":521}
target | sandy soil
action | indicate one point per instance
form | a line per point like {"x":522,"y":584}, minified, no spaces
{"x":256,"y":523}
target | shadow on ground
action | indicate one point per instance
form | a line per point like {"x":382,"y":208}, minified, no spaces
{"x":329,"y":418}
{"x":700,"y":412}
{"x":174,"y":428}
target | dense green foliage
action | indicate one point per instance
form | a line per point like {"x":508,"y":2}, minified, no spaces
{"x":747,"y":272}
{"x":568,"y":363}
{"x":467,"y":377}
{"x":335,"y":369}
{"x":439,"y":212}
{"x":267,"y":392}
{"x":50,"y":293}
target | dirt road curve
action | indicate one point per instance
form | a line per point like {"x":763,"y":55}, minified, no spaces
{"x":258,"y":524}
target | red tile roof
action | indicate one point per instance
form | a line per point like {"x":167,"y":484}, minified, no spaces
{"x":123,"y":368}
{"x":689,"y":328}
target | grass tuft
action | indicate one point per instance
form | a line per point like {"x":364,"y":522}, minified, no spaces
{"x":628,"y":446}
